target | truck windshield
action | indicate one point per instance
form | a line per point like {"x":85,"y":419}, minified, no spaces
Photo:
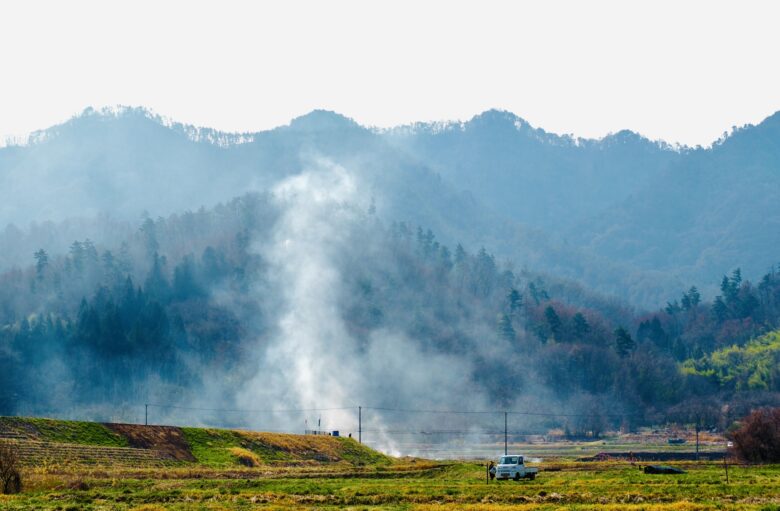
{"x":508,"y":460}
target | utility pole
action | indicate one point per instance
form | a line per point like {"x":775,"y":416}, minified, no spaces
{"x":360,"y":424}
{"x":146,"y":414}
{"x":506,"y":435}
{"x":697,"y":440}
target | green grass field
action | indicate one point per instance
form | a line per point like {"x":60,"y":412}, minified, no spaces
{"x":245,"y":470}
{"x":420,"y":485}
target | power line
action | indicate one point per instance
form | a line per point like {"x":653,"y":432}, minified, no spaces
{"x":390,"y":409}
{"x":244,"y":410}
{"x":452,"y":432}
{"x":495,"y":412}
{"x":445,"y":412}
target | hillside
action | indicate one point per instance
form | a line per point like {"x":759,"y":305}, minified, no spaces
{"x":704,"y":211}
{"x":358,"y":273}
{"x":46,"y":441}
{"x":313,"y":303}
{"x":640,"y":207}
{"x":754,"y":366}
{"x":547,"y":181}
{"x":624,"y":215}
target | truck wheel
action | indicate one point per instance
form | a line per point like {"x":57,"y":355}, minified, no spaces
{"x":517,"y":476}
{"x":531,"y":476}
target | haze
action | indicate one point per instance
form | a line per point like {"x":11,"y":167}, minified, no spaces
{"x":313,"y":263}
{"x":679,"y":72}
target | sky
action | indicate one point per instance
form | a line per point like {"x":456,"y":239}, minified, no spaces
{"x":681,"y":71}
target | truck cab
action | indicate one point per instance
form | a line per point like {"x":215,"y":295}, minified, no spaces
{"x":512,"y":466}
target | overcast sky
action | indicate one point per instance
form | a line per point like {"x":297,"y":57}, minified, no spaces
{"x":674,"y":70}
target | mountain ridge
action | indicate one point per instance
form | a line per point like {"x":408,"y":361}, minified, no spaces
{"x":333,"y":118}
{"x":598,"y":211}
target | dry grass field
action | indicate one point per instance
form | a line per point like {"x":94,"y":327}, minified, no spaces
{"x":241,"y":470}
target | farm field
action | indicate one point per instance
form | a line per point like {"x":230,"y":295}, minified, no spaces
{"x":224,"y":470}
{"x":419,"y":485}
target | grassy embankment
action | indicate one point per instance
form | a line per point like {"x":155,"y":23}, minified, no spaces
{"x":184,"y":447}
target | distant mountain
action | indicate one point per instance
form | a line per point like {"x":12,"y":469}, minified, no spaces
{"x":707,"y":212}
{"x":677,"y":214}
{"x":100,"y":162}
{"x":623,"y":214}
{"x":128,"y":163}
{"x":548,"y":181}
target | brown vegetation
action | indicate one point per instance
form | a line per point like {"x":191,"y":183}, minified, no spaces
{"x":167,"y":439}
{"x":758,"y":438}
{"x":245,"y":457}
{"x":10,"y":478}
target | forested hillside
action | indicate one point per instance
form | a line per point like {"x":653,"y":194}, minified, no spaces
{"x":754,"y":366}
{"x":657,"y":216}
{"x":703,"y":212}
{"x":186,"y":310}
{"x":544,"y":180}
{"x":481,"y":265}
{"x":624,"y":215}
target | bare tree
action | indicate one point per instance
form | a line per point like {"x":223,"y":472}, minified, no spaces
{"x":10,"y":478}
{"x":758,"y":438}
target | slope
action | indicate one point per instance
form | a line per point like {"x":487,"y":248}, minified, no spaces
{"x":106,"y":169}
{"x":707,"y":213}
{"x":541,"y":179}
{"x":76,"y":442}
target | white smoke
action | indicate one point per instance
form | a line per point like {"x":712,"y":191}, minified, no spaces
{"x":308,"y":364}
{"x":311,"y":361}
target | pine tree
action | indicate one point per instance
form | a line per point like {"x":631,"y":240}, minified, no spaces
{"x":624,"y":344}
{"x":553,"y":321}
{"x":505,"y":328}
{"x":41,"y":263}
{"x":673,"y":308}
{"x":185,"y":285}
{"x":694,"y":296}
{"x":460,"y":255}
{"x":149,"y":232}
{"x":580,"y":326}
{"x":719,"y":310}
{"x":685,"y":302}
{"x":156,"y":284}
{"x":515,"y":300}
{"x":77,"y":255}
{"x":657,"y":334}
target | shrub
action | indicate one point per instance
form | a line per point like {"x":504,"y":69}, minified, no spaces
{"x":10,"y":478}
{"x":245,"y":457}
{"x":757,"y":440}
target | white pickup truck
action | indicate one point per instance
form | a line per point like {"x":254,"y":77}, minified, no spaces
{"x":512,"y":466}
